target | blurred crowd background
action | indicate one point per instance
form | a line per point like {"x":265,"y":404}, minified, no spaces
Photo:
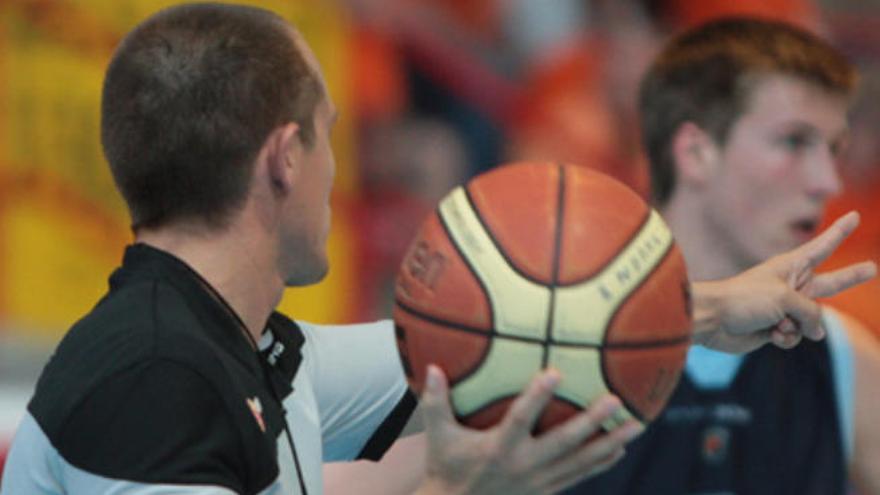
{"x":431,"y":92}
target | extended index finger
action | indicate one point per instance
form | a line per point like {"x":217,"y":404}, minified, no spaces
{"x":820,"y":248}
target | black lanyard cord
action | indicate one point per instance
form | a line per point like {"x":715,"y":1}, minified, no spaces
{"x":268,"y":380}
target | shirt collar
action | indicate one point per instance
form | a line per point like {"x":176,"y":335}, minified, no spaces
{"x":220,"y":322}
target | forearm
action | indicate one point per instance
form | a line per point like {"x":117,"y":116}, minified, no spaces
{"x":399,"y":472}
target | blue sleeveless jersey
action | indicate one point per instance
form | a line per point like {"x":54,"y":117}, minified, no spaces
{"x":772,"y":426}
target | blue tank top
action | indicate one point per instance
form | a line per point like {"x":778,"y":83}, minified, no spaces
{"x":773,"y":422}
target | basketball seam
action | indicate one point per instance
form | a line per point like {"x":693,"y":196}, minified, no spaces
{"x":458,"y":327}
{"x":554,"y":274}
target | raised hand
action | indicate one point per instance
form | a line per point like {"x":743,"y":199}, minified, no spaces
{"x":775,"y":301}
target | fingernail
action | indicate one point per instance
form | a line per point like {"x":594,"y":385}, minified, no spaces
{"x":612,"y":406}
{"x":609,"y":406}
{"x":551,"y":378}
{"x":432,"y":380}
{"x":633,"y":430}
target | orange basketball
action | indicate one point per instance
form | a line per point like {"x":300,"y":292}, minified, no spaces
{"x":536,"y":265}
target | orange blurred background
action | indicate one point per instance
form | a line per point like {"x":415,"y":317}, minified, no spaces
{"x":430,"y":91}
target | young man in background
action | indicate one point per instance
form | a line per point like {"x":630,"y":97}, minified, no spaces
{"x":743,"y":122}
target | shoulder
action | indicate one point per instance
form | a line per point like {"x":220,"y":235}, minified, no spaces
{"x":116,"y":349}
{"x":158,"y":421}
{"x":856,"y":331}
{"x":865,"y":348}
{"x":354,"y":348}
{"x":334,"y":352}
{"x":377,"y":333}
{"x":845,"y":330}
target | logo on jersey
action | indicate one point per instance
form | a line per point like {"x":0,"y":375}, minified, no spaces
{"x":257,"y":410}
{"x":277,"y":351}
{"x":716,"y":440}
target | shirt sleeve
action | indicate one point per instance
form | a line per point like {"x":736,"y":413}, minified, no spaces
{"x":360,"y":387}
{"x":157,"y":424}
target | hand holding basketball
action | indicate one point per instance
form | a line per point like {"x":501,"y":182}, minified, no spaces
{"x":507,"y":458}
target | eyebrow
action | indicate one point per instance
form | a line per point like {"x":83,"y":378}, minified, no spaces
{"x":802,"y":125}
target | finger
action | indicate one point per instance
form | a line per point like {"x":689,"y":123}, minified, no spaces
{"x":592,"y":457}
{"x":571,"y":435}
{"x":558,"y":485}
{"x":784,"y":340}
{"x":787,"y":325}
{"x":523,"y":414}
{"x":821,"y":247}
{"x":806,"y":313}
{"x":434,"y":404}
{"x":831,"y":283}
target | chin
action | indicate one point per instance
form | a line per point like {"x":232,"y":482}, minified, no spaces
{"x":308,"y":274}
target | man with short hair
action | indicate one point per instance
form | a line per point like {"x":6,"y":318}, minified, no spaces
{"x":183,"y":378}
{"x":743,"y":121}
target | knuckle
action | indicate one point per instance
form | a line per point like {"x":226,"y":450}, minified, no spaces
{"x":569,"y":441}
{"x":495,"y":453}
{"x":519,"y":419}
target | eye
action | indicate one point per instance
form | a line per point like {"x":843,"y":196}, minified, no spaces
{"x":796,"y":141}
{"x":838,"y":147}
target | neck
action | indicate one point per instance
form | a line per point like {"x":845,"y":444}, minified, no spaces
{"x":240,"y":265}
{"x":706,"y":253}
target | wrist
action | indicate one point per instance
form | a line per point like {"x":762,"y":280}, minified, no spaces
{"x":706,"y":306}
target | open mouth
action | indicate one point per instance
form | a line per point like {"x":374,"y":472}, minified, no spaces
{"x":806,"y":227}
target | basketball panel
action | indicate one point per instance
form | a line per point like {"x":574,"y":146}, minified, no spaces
{"x":434,"y":279}
{"x":518,"y":204}
{"x":519,"y":306}
{"x":644,"y":377}
{"x":422,"y":342}
{"x":600,"y":217}
{"x":582,"y":312}
{"x":556,"y":412}
{"x":507,"y":369}
{"x":659,"y":310}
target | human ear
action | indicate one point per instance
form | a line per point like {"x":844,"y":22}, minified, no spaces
{"x":694,"y":153}
{"x":284,"y":156}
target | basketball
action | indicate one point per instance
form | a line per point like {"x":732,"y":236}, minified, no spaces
{"x":536,"y":265}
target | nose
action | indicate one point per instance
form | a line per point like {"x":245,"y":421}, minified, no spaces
{"x":822,"y":176}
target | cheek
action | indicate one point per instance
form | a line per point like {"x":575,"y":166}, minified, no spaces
{"x":755,"y":179}
{"x":760,"y":163}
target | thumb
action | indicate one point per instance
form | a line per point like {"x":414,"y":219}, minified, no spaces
{"x":436,"y":410}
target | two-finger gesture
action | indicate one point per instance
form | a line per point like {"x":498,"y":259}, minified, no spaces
{"x":775,"y":300}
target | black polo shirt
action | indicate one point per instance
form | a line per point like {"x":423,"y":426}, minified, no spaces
{"x":159,"y":385}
